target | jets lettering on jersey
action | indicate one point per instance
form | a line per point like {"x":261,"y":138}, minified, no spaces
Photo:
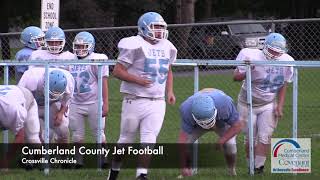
{"x":156,"y":53}
{"x":78,"y":68}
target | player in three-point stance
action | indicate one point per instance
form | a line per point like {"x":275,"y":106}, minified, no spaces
{"x":206,"y":111}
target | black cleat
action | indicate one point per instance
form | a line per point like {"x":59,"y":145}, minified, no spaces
{"x":142,"y":177}
{"x":259,"y":170}
{"x":112,"y":175}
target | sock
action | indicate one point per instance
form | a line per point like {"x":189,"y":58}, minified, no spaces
{"x":259,"y":161}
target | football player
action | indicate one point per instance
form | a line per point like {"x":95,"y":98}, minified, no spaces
{"x":269,"y":84}
{"x":32,"y":38}
{"x":54,"y":43}
{"x":61,"y":87}
{"x":85,"y":98}
{"x":18,"y":113}
{"x":206,"y":111}
{"x":144,"y":66}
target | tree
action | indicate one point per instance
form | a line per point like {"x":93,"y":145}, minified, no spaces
{"x":4,"y":27}
{"x":184,"y":14}
{"x":84,"y":13}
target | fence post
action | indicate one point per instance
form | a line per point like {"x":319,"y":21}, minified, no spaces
{"x":99,"y":138}
{"x":249,"y":106}
{"x":295,"y":103}
{"x":195,"y":144}
{"x":46,"y":115}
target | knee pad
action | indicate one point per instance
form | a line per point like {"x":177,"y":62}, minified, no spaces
{"x":103,"y":136}
{"x":230,"y":148}
{"x":148,"y":138}
{"x":264,"y":138}
{"x":77,"y":137}
{"x":34,"y":139}
{"x":126,"y":138}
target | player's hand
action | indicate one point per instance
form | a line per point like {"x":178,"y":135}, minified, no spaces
{"x":278,"y":112}
{"x":146,"y":82}
{"x":145,"y":79}
{"x":219,"y":145}
{"x":248,"y":60}
{"x":105,"y":110}
{"x":171,"y":98}
{"x":58,"y":118}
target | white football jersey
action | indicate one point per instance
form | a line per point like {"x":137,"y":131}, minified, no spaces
{"x":266,"y":80}
{"x":46,"y":55}
{"x":12,"y":108}
{"x":33,"y":79}
{"x":148,"y":60}
{"x":86,"y":80}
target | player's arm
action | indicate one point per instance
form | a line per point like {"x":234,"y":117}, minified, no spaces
{"x":232,"y":131}
{"x":281,"y":100}
{"x":60,"y":114}
{"x":169,"y":87}
{"x":120,"y":72}
{"x":239,"y":73}
{"x":185,"y":156}
{"x":105,"y":92}
{"x":238,"y":76}
{"x":19,"y":137}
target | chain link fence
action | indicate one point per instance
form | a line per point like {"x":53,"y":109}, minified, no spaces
{"x":218,"y":40}
{"x":210,"y":40}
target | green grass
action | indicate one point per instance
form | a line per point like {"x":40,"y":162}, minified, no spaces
{"x":308,"y":126}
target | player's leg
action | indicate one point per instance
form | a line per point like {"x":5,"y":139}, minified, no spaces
{"x":266,"y":123}
{"x":150,"y":127}
{"x":230,"y":150}
{"x":130,"y":121}
{"x":76,"y":122}
{"x":62,"y":131}
{"x":243,"y":115}
{"x":93,"y":122}
{"x":77,"y":127}
{"x":96,"y":130}
{"x":32,"y":124}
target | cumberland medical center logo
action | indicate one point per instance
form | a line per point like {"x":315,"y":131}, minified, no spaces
{"x":291,"y":155}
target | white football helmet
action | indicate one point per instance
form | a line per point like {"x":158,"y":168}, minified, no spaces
{"x":204,"y":111}
{"x":274,"y":46}
{"x":151,"y":25}
{"x":55,"y":40}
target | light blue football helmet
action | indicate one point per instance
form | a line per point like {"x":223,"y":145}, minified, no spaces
{"x":83,"y":44}
{"x":57,"y":84}
{"x":32,"y":37}
{"x":147,"y":26}
{"x":204,"y":111}
{"x":274,"y":46}
{"x":55,"y":40}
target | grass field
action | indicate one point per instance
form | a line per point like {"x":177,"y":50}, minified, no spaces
{"x":309,"y":126}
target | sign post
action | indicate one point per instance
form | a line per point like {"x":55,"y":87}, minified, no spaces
{"x":49,"y":13}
